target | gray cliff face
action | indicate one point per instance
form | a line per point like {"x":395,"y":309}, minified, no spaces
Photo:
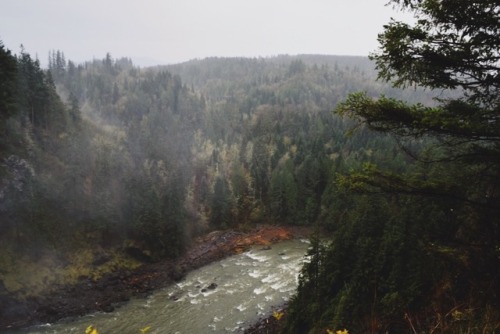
{"x":16,"y":183}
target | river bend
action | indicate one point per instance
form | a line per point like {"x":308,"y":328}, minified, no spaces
{"x":223,"y":297}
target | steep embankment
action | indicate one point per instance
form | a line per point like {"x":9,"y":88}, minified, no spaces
{"x":103,"y":294}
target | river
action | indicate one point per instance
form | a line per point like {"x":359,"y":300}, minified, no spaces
{"x":224,"y":297}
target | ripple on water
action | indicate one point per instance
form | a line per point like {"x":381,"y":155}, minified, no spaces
{"x":257,"y":257}
{"x":285,"y":267}
{"x":193,"y":294}
{"x":260,"y":290}
{"x":255,"y":273}
{"x":242,"y":263}
{"x":271,"y":278}
{"x":249,"y":285}
{"x":241,"y":307}
{"x":279,"y":285}
{"x":208,"y":292}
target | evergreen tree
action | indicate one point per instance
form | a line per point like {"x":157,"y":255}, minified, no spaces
{"x":220,"y":216}
{"x":8,"y":70}
{"x":453,"y":45}
{"x":284,"y":195}
{"x":399,"y":261}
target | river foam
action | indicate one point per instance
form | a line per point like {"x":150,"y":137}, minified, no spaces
{"x":242,"y":289}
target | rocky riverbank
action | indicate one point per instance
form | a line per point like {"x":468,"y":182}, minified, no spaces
{"x":106,"y":293}
{"x":272,"y":324}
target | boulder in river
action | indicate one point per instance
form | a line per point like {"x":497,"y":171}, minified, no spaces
{"x":212,"y":286}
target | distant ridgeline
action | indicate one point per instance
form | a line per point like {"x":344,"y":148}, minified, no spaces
{"x":108,"y":159}
{"x":123,"y":156}
{"x":138,"y":154}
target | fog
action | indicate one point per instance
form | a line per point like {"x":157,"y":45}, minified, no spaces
{"x":161,"y":32}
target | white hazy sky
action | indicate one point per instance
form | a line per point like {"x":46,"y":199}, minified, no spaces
{"x":171,"y":31}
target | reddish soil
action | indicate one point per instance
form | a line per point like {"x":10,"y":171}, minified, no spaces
{"x":107,"y":293}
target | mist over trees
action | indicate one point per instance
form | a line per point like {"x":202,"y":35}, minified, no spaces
{"x":106,"y":154}
{"x":123,"y":155}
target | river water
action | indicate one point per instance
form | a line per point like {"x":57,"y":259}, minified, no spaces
{"x":244,"y":288}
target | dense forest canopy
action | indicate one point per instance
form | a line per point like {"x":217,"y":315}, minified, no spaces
{"x":417,"y":250}
{"x":107,"y":157}
{"x":111,"y":154}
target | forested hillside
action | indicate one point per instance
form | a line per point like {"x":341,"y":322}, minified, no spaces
{"x":417,"y":250}
{"x":141,"y":160}
{"x":246,"y":140}
{"x":107,"y":163}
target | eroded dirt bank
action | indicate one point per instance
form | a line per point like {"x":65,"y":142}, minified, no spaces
{"x":108,"y":292}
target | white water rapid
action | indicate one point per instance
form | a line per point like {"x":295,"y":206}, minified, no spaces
{"x":223,"y":297}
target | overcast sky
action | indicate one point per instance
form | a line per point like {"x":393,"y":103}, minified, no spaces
{"x":171,"y":31}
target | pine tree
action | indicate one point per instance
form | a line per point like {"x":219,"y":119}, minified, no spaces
{"x":8,"y":70}
{"x":401,"y":255}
